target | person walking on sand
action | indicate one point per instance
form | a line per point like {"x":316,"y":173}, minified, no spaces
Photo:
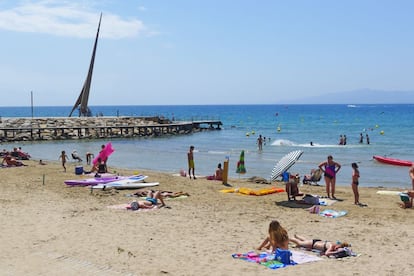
{"x":191,"y":167}
{"x":64,"y":158}
{"x":355,"y":183}
{"x":330,"y":168}
{"x":411,"y":172}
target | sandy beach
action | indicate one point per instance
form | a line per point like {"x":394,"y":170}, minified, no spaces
{"x":48,"y":228}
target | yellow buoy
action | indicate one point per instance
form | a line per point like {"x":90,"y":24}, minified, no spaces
{"x":247,"y":134}
{"x":253,"y":132}
{"x":382,"y":132}
{"x":278,"y":129}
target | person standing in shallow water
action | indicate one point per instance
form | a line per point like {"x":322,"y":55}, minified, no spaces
{"x":260,"y":142}
{"x":330,"y":169}
{"x":191,"y":165}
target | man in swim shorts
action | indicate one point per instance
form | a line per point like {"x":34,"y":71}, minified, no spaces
{"x":151,"y":201}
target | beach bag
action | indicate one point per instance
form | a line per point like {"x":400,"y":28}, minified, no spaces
{"x":309,"y":199}
{"x":283,"y":256}
{"x":346,"y":252}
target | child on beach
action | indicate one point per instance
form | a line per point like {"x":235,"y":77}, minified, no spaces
{"x":407,"y":199}
{"x":278,"y":237}
{"x":190,"y":157}
{"x":64,"y":157}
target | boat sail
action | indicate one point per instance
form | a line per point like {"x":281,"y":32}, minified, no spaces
{"x":82,"y":101}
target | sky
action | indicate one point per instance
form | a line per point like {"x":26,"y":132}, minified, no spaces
{"x":189,"y":52}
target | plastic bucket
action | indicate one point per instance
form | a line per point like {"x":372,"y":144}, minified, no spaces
{"x":78,"y":170}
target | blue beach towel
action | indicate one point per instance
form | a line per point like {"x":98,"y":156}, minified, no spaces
{"x":268,"y":259}
{"x":332,"y":213}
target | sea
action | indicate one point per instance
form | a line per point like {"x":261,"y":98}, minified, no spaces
{"x":313,"y":129}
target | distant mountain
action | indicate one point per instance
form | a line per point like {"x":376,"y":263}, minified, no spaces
{"x":362,"y":96}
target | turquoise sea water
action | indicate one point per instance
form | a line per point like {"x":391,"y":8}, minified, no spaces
{"x":388,"y":126}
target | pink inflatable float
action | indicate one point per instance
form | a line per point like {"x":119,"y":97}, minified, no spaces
{"x":104,"y":153}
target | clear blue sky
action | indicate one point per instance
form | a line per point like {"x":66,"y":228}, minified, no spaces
{"x":203,"y":52}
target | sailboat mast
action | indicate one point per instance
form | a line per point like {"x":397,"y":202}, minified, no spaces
{"x":82,"y":101}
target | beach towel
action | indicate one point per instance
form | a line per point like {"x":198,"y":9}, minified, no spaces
{"x":166,"y":195}
{"x":268,"y":259}
{"x":127,"y":206}
{"x":327,"y":201}
{"x":332,"y":213}
{"x":248,"y":191}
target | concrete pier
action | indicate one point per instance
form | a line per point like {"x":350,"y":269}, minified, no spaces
{"x":63,"y":128}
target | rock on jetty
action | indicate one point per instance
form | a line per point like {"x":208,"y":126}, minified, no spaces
{"x":63,"y":128}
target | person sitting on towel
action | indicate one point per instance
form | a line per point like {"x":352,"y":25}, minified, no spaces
{"x":218,"y":175}
{"x":278,"y":237}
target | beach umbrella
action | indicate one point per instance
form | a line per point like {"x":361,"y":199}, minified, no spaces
{"x":240,"y":165}
{"x":285,"y":163}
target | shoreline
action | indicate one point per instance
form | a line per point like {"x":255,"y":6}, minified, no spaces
{"x":53,"y":227}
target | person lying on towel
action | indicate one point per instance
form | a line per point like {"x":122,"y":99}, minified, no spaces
{"x":326,"y":248}
{"x":151,"y":201}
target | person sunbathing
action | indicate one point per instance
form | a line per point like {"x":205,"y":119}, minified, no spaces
{"x":164,"y":194}
{"x":151,"y":201}
{"x":326,"y":248}
{"x":9,"y":161}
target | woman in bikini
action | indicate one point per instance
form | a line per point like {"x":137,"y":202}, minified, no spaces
{"x":278,"y":237}
{"x":355,"y":182}
{"x":326,"y":248}
{"x":330,"y":168}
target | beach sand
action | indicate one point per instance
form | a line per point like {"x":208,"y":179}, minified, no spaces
{"x":48,"y":228}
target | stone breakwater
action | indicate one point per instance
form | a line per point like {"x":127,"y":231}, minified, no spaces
{"x":62,"y":128}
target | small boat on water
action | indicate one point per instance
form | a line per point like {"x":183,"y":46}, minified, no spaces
{"x":392,"y":161}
